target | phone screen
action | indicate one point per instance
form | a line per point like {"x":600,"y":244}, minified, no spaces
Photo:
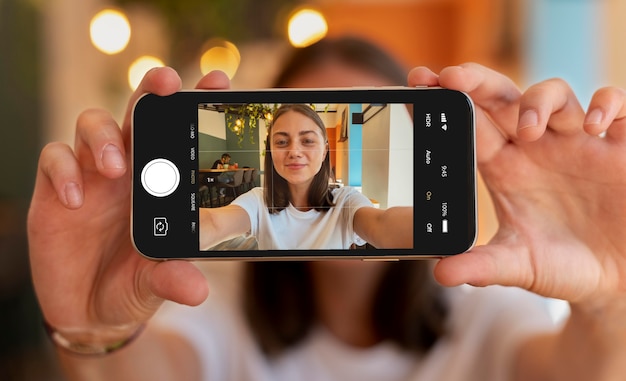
{"x":383,"y":148}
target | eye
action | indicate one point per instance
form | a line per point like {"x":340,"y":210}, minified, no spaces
{"x":309,"y":141}
{"x":281,"y":143}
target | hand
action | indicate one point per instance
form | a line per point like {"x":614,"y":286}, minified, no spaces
{"x":86,"y":272}
{"x":558,"y":188}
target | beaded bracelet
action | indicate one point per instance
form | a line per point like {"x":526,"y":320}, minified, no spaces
{"x":92,"y":347}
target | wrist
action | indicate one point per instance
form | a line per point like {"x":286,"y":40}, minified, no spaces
{"x":93,"y":341}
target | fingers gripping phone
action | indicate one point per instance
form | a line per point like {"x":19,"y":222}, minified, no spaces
{"x":194,"y":153}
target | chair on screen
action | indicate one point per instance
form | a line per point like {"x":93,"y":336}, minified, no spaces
{"x":247,"y":177}
{"x":235,"y":185}
{"x":253,"y":176}
{"x":208,"y":187}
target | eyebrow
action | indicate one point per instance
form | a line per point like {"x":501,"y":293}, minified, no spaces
{"x":299,"y":134}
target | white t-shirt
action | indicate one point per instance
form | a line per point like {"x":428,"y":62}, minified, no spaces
{"x":486,"y":327}
{"x":294,"y":229}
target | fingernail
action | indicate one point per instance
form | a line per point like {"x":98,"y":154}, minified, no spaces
{"x":112,"y":158}
{"x":528,"y":119}
{"x":73,"y":195}
{"x":594,"y":117}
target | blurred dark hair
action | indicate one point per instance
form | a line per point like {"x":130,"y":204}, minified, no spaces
{"x":351,"y":51}
{"x":275,"y":187}
{"x":409,"y":307}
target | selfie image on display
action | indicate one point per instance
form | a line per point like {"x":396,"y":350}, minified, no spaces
{"x":342,"y":155}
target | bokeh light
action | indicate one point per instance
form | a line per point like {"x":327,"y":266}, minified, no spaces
{"x":140,"y":67}
{"x":306,"y":27}
{"x":110,"y":31}
{"x":220,"y":55}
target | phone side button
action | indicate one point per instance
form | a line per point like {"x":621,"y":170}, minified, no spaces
{"x":160,"y":177}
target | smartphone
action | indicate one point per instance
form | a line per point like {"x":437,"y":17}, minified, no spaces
{"x":397,"y":146}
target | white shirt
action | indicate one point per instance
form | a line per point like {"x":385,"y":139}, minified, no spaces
{"x":486,"y":325}
{"x":295,"y":229}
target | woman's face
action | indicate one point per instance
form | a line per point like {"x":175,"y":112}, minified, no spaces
{"x":298,"y":148}
{"x":337,"y":74}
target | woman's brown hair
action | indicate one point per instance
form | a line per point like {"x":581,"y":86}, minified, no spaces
{"x":409,"y":307}
{"x":275,"y":187}
{"x":350,"y":51}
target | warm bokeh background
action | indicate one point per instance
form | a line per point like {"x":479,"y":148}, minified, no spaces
{"x":50,"y":70}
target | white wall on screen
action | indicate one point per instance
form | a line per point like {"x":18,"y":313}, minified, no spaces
{"x":212,"y":123}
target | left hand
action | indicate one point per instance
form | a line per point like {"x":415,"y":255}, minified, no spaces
{"x":559,"y":189}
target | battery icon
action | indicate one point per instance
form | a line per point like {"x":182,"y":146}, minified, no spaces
{"x":444,"y":226}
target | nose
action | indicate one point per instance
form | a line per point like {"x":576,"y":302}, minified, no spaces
{"x":294,"y":150}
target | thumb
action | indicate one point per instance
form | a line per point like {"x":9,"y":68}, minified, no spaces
{"x":486,"y":265}
{"x":179,"y":281}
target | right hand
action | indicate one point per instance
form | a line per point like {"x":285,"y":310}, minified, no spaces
{"x":556,"y":186}
{"x":86,"y":271}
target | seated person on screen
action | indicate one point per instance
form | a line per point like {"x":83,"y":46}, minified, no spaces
{"x":224,"y":177}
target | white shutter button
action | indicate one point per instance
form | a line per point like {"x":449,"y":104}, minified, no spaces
{"x":160,"y":177}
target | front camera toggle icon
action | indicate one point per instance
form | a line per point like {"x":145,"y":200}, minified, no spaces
{"x":160,"y":226}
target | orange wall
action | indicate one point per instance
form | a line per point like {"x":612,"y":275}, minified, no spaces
{"x":435,"y":33}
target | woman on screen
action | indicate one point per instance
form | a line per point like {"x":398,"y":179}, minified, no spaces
{"x":296,"y":209}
